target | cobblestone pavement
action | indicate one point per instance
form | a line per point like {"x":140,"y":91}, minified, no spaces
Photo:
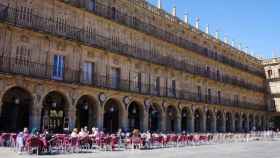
{"x":267,"y":149}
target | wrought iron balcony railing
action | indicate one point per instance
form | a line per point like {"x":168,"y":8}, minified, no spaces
{"x":116,"y":15}
{"x":51,"y":25}
{"x":15,"y":66}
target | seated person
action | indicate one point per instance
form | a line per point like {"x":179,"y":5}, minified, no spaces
{"x":74,"y":133}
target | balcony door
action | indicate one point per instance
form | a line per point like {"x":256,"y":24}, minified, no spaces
{"x":88,"y":72}
{"x":58,"y":67}
{"x":115,"y":78}
{"x":92,"y":5}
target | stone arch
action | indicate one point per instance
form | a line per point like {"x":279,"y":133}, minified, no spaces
{"x":210,"y":121}
{"x":17,"y":104}
{"x":135,"y":115}
{"x":155,"y":117}
{"x":172,"y":116}
{"x":186,"y":119}
{"x":198,"y":120}
{"x":113,"y":115}
{"x":55,"y":112}
{"x":87,"y":111}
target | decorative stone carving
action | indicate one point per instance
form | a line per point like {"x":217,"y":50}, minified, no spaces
{"x":74,"y":96}
{"x":179,"y":106}
{"x":164,"y":105}
{"x":24,"y":38}
{"x":147,"y":104}
{"x":102,"y":97}
{"x":126,"y":101}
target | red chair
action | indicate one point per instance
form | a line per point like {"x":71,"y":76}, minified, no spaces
{"x":136,"y":142}
{"x":34,"y":143}
{"x":5,"y":139}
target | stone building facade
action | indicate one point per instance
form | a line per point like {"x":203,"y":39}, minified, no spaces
{"x":272,"y":71}
{"x":121,"y":64}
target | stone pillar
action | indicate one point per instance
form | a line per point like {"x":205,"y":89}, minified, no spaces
{"x":254,"y":123}
{"x":100,"y":119}
{"x":72,"y":117}
{"x":178,"y":124}
{"x":123,"y":120}
{"x":35,"y":117}
{"x":163,"y":122}
{"x":247,"y":124}
{"x":214,"y":130}
{"x":223,"y":123}
{"x":241,"y":124}
{"x":203,"y":127}
{"x":145,"y":123}
{"x":232,"y":127}
{"x":190,"y":124}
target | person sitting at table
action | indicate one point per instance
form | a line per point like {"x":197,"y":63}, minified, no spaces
{"x":74,"y":133}
{"x":82,"y":133}
{"x":34,"y":132}
{"x":86,"y":130}
{"x":25,"y":132}
{"x":95,"y":132}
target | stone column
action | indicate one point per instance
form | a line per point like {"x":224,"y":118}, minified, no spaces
{"x":178,"y":124}
{"x":214,"y":130}
{"x":163,"y":122}
{"x":190,"y":124}
{"x":247,"y":124}
{"x":241,"y":124}
{"x":145,"y":123}
{"x":233,"y":128}
{"x":203,"y":127}
{"x":123,"y":120}
{"x":72,"y":117}
{"x":254,"y":123}
{"x":100,"y":119}
{"x":35,"y":117}
{"x":223,"y":123}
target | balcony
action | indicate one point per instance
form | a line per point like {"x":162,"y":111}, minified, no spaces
{"x":49,"y":25}
{"x":15,"y":66}
{"x":112,"y":13}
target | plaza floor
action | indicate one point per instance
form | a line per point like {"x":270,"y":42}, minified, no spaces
{"x":261,"y":149}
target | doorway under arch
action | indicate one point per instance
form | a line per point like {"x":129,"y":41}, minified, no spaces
{"x":16,"y":107}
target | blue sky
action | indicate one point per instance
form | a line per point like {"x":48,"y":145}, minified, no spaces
{"x":253,"y":23}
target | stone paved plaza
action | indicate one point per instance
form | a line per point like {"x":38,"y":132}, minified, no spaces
{"x":266,"y":149}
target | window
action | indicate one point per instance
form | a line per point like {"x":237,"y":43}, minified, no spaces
{"x":173,"y":87}
{"x":219,"y":97}
{"x":115,"y":78}
{"x":218,"y":75}
{"x":278,"y":73}
{"x":58,"y":67}
{"x":23,"y":55}
{"x":199,"y":93}
{"x":113,"y":13}
{"x":139,"y":81}
{"x":236,"y":99}
{"x":88,"y":72}
{"x":269,"y":73}
{"x":208,"y":71}
{"x":209,"y":96}
{"x":92,"y":5}
{"x":158,"y":85}
{"x":166,"y":87}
